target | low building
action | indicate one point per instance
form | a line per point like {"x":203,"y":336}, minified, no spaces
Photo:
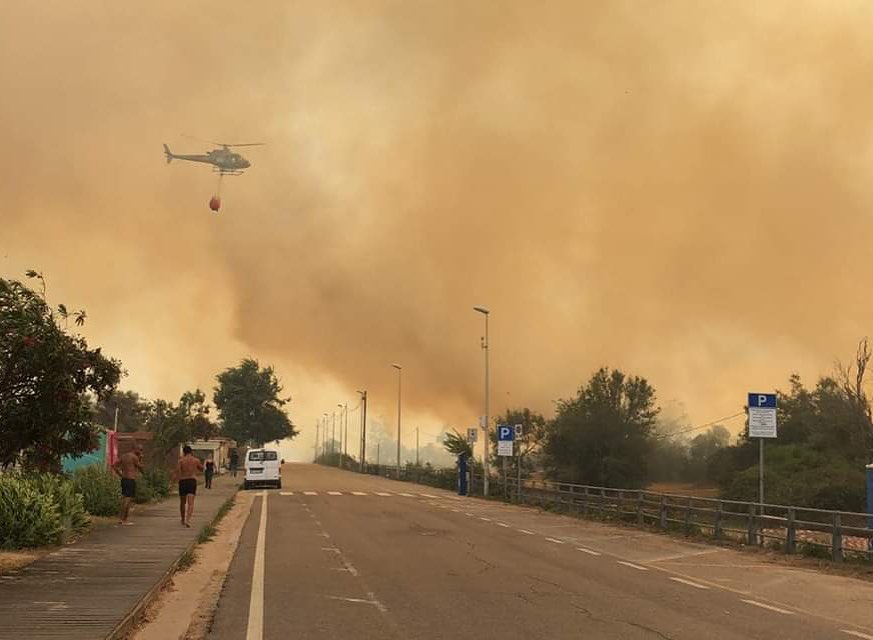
{"x":217,"y":448}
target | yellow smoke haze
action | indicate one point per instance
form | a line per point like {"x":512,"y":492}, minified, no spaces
{"x":678,"y":189}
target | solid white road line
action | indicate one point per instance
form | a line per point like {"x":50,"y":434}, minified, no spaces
{"x":310,"y":493}
{"x":632,"y":565}
{"x":767,"y":606}
{"x":359,"y":493}
{"x":286,"y":493}
{"x":590,"y":552}
{"x":334,"y":493}
{"x":255,"y":629}
{"x":689,"y":583}
{"x":382,"y":493}
{"x":555,"y":540}
{"x":526,"y":532}
{"x":857,"y":634}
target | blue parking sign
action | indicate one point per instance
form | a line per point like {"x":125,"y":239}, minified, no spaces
{"x":505,"y":433}
{"x":762,"y":400}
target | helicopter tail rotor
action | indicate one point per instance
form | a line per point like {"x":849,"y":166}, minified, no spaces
{"x":168,"y":153}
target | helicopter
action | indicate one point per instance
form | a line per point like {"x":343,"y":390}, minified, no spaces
{"x":223,"y":160}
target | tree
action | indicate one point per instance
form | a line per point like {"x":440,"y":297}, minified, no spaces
{"x":457,"y":445}
{"x":133,"y":411}
{"x":169,"y":427}
{"x":603,"y":436}
{"x":46,"y":377}
{"x":247,"y":398}
{"x":702,"y":449}
{"x":193,"y":405}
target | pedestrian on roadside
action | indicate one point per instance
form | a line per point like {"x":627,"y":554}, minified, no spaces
{"x":187,"y":470}
{"x":234,"y":462}
{"x":209,"y":472}
{"x":127,"y":466}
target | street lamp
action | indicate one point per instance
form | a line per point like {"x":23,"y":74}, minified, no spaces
{"x":324,"y":438}
{"x":485,"y":312}
{"x":363,"y":429}
{"x":343,"y":443}
{"x":399,"y":383}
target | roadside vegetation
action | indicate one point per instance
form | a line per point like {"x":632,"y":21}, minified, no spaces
{"x":57,"y":393}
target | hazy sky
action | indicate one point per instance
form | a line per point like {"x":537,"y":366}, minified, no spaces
{"x":679,"y":189}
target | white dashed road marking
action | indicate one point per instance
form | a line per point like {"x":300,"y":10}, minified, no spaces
{"x":359,"y":493}
{"x":286,"y":493}
{"x":857,"y":634}
{"x":334,"y":493}
{"x":406,"y":495}
{"x":689,"y":583}
{"x":767,"y":606}
{"x":427,"y":495}
{"x":555,"y":540}
{"x":310,"y":493}
{"x":590,"y":552}
{"x":525,"y":532}
{"x":382,"y":493}
{"x":632,"y":565}
{"x":484,"y":519}
{"x":502,"y":524}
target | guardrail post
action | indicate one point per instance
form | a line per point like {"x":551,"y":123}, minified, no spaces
{"x":791,"y":533}
{"x":619,"y":506}
{"x":716,"y":530}
{"x":640,"y":507}
{"x":837,"y":539}
{"x":662,"y":515}
{"x":602,"y":503}
{"x":585,"y":501}
{"x":688,"y":515}
{"x":752,"y":537}
{"x":572,"y":508}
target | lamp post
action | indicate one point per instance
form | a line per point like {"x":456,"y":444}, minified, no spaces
{"x":324,"y":436}
{"x":399,"y":386}
{"x":343,"y":444}
{"x":363,"y":429}
{"x":487,"y":442}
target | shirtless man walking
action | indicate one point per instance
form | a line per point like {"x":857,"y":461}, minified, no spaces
{"x":189,"y":465}
{"x":127,"y":466}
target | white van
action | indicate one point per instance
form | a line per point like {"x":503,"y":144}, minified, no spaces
{"x":263,"y":467}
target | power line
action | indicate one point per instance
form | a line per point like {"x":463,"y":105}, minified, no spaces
{"x":703,"y":426}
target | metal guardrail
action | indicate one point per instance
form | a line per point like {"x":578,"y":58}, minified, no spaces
{"x":819,"y":532}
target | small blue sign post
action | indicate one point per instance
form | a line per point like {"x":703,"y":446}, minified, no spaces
{"x":505,"y":439}
{"x":870,"y":502}
{"x":762,"y":424}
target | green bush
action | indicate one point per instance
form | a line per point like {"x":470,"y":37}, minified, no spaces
{"x":29,"y":517}
{"x":158,"y":480}
{"x":100,"y":490}
{"x":144,"y":492}
{"x":70,"y":504}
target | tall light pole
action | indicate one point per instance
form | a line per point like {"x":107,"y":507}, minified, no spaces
{"x":324,"y":437}
{"x":332,"y":433}
{"x":399,"y":383}
{"x":345,"y":408}
{"x":363,"y":429}
{"x":487,"y":440}
{"x":317,"y":426}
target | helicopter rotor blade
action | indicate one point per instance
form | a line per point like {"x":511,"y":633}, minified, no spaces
{"x":247,"y":144}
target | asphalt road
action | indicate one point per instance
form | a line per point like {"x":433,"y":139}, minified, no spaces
{"x":343,"y":555}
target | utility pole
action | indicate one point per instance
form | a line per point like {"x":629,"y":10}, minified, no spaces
{"x":346,"y":433}
{"x":343,"y":443}
{"x":333,"y":433}
{"x":363,"y":430}
{"x":324,"y":437}
{"x":399,"y":384}
{"x":378,"y":447}
{"x":487,"y":439}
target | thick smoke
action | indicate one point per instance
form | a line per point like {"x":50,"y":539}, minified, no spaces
{"x":679,"y":190}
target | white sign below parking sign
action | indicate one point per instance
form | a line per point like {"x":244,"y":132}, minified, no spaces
{"x":505,"y":437}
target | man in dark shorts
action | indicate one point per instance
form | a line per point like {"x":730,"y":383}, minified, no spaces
{"x":127,"y":466}
{"x":189,"y":465}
